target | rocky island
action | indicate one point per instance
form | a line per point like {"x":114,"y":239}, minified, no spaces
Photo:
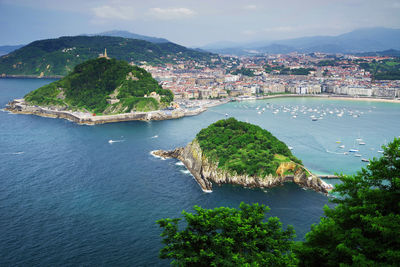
{"x":102,"y":90}
{"x":235,"y":152}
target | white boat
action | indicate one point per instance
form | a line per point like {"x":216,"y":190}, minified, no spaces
{"x":380,"y":151}
{"x":342,"y":146}
{"x":361,"y":143}
{"x":357,"y":155}
{"x":290,"y":147}
{"x":364,"y":160}
{"x":353,"y":150}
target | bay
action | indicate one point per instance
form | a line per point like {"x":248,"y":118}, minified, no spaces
{"x":69,"y":197}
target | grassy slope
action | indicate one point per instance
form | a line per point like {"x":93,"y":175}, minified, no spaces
{"x":243,"y":148}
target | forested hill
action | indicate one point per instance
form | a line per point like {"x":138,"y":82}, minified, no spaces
{"x":59,"y":56}
{"x":244,"y":148}
{"x":105,"y":86}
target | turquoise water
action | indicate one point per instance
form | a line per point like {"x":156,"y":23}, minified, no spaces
{"x":69,"y":197}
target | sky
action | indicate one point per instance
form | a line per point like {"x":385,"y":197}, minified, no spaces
{"x":193,"y":23}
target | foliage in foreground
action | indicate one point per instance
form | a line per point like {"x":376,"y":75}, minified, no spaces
{"x":243,"y":147}
{"x":227,"y":237}
{"x":364,"y":228}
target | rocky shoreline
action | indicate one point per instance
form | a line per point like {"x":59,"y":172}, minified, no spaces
{"x":19,"y":106}
{"x":207,"y":173}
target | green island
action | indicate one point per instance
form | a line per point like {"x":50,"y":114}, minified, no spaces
{"x":234,"y":152}
{"x":58,"y":57}
{"x":103,"y":86}
{"x":244,"y":148}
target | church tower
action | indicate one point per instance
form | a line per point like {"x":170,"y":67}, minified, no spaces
{"x":105,"y":53}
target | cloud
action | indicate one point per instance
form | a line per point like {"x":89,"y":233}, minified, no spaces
{"x":250,"y":7}
{"x":171,"y":13}
{"x":110,"y":12}
{"x":280,"y":29}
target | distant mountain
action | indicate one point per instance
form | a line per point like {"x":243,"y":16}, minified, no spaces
{"x":5,"y":49}
{"x":59,"y":56}
{"x":389,"y":53}
{"x":126,"y":34}
{"x":358,"y":41}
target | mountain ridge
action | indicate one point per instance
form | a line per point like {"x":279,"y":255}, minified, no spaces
{"x":357,"y":41}
{"x":59,"y":56}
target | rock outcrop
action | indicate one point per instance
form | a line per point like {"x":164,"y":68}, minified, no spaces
{"x":206,"y":173}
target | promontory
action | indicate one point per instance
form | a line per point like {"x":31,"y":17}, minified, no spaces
{"x":234,"y":152}
{"x":98,"y":91}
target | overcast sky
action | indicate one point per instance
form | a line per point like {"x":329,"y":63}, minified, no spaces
{"x":193,"y":22}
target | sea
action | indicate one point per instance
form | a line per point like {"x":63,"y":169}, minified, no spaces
{"x":69,"y":196}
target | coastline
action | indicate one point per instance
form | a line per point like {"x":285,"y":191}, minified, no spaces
{"x":331,"y":96}
{"x":19,"y":106}
{"x":19,"y":76}
{"x":207,"y":173}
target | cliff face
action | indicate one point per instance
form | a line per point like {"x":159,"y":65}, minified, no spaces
{"x":206,"y":173}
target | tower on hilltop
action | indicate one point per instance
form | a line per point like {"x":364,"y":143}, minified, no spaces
{"x":104,"y":55}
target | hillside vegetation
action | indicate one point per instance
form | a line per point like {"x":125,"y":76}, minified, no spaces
{"x":244,"y":148}
{"x":388,"y":69}
{"x":93,"y":82}
{"x":59,"y":56}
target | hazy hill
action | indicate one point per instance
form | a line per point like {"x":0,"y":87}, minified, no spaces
{"x":59,"y":56}
{"x":5,"y":49}
{"x":126,"y":34}
{"x":358,"y":41}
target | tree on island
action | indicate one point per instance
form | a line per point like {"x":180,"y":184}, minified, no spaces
{"x":364,"y":228}
{"x":228,"y":237}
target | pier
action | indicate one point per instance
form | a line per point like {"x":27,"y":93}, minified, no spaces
{"x":328,"y":176}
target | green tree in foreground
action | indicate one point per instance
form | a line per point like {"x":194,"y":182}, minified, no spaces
{"x":228,"y":237}
{"x":364,"y":228}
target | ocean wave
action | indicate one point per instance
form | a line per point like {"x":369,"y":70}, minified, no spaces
{"x":156,"y":156}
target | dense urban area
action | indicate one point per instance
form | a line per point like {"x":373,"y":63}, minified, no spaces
{"x":303,"y":74}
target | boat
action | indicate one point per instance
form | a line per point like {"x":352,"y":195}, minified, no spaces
{"x":364,"y":160}
{"x":380,"y":151}
{"x":314,"y":119}
{"x":342,"y":146}
{"x":353,"y":150}
{"x":357,"y":155}
{"x":290,"y":147}
{"x":361,"y":143}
